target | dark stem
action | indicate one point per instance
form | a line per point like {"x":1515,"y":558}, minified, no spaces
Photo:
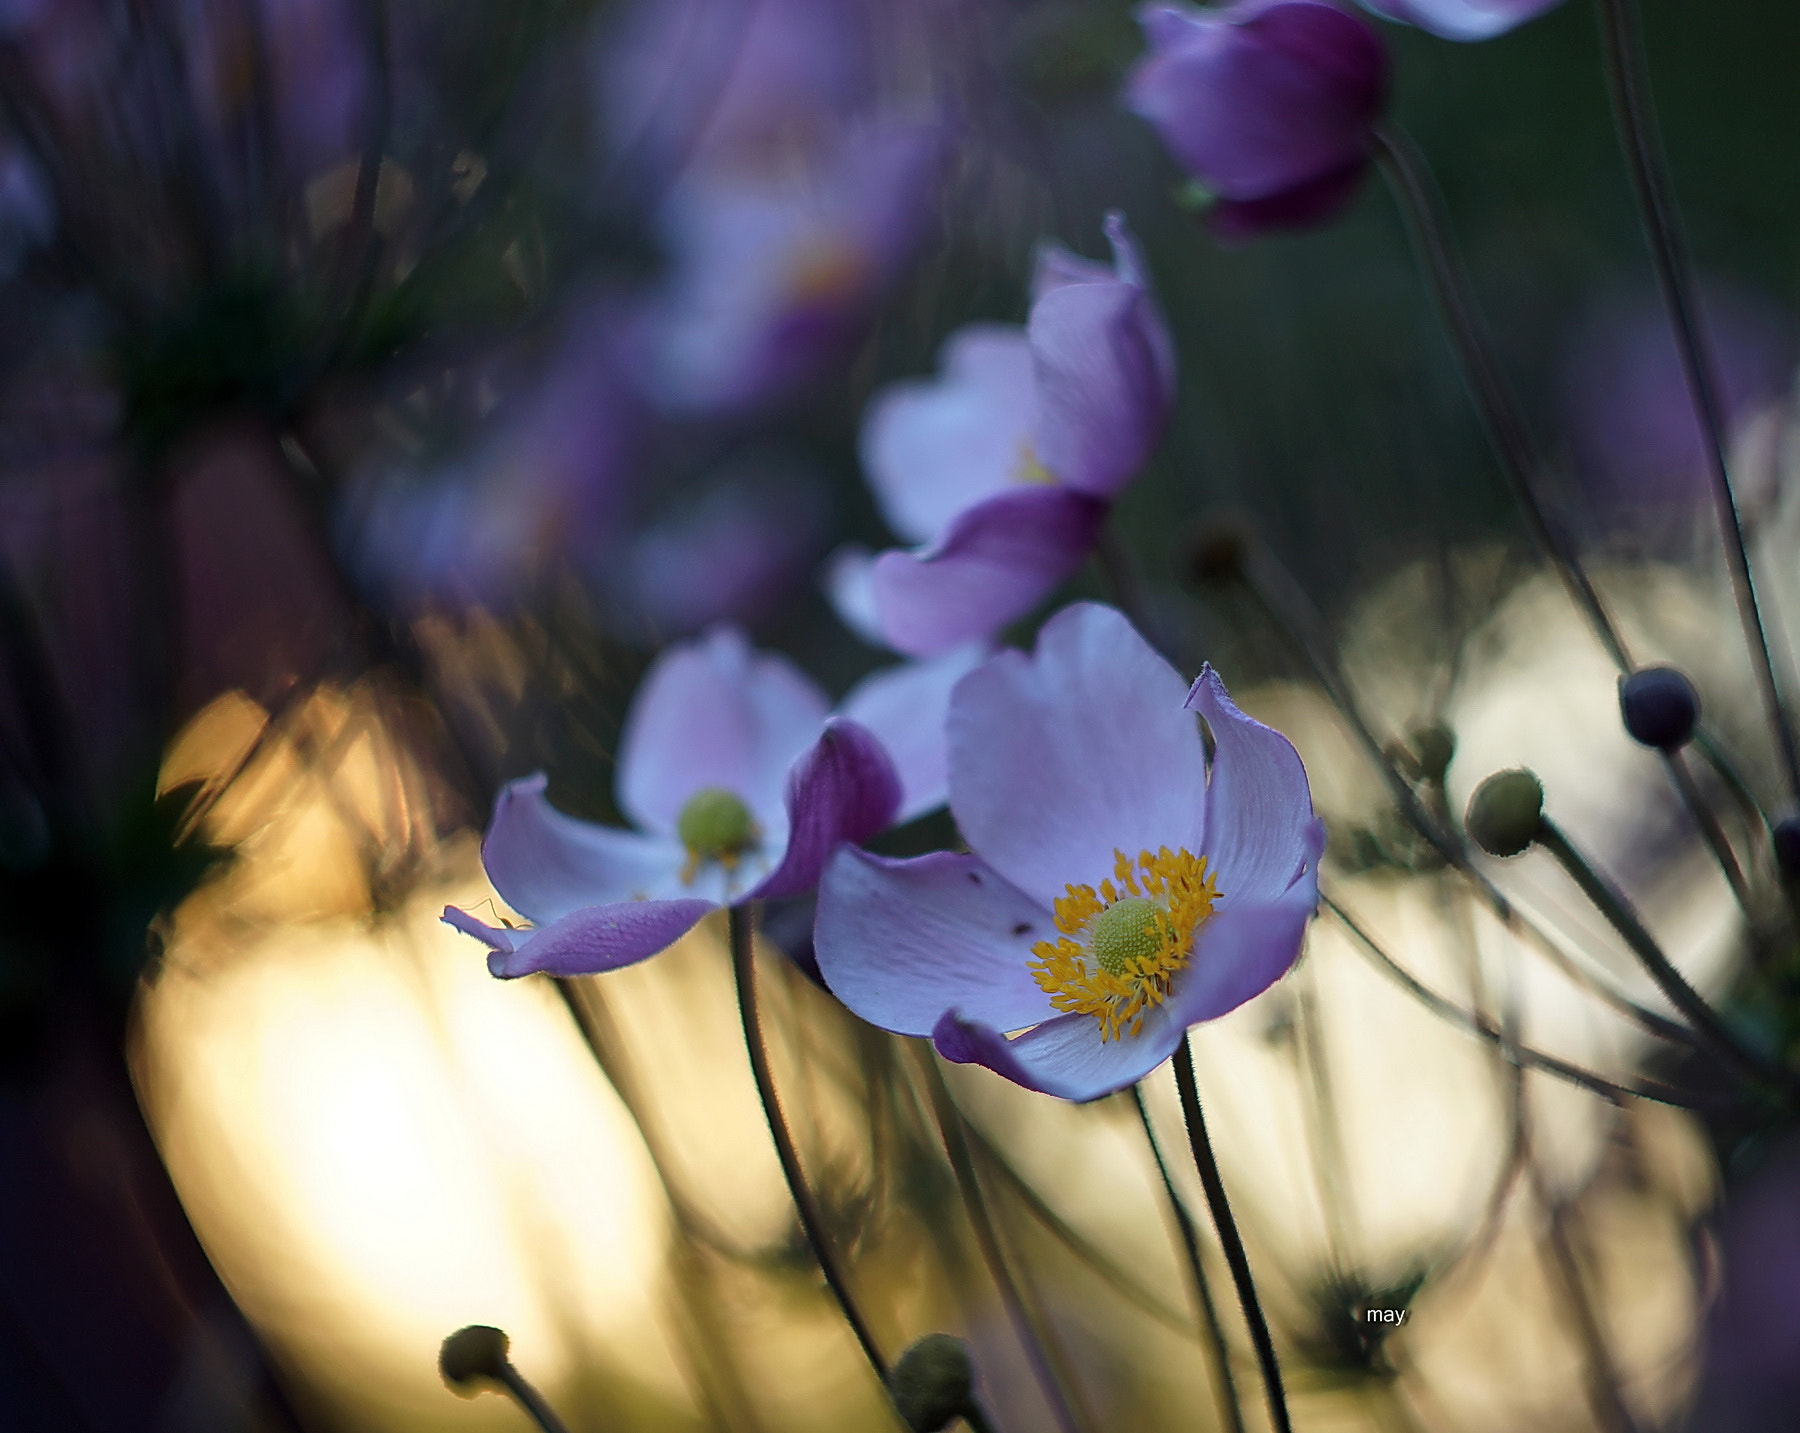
{"x":1714,"y":1034}
{"x":1628,"y":85}
{"x":1409,"y":180}
{"x":528,"y":1398}
{"x":812,"y":1223}
{"x":1230,"y":1414}
{"x":1235,"y":1257}
{"x":1032,"y":1335}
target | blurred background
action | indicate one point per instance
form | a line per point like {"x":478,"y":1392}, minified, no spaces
{"x":383,"y":383}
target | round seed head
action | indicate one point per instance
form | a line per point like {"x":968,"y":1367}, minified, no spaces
{"x":1506,"y":812}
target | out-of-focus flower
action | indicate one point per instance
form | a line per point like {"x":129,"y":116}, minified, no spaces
{"x":1462,"y":19}
{"x":729,"y":553}
{"x":27,"y":210}
{"x":549,"y":483}
{"x":1625,"y":399}
{"x":1004,"y":465}
{"x":1115,"y":892}
{"x":741,"y":784}
{"x":1270,"y":104}
{"x":774,"y":269}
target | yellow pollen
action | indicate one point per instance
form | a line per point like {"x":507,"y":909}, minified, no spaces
{"x":1028,"y":469}
{"x":1122,"y":945}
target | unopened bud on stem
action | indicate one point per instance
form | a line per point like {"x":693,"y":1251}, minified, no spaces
{"x":1659,"y":706}
{"x":1506,"y":812}
{"x":471,"y":1355}
{"x":933,"y":1383}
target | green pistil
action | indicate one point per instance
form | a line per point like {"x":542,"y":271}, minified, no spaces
{"x":716,"y":826}
{"x":1125,"y":931}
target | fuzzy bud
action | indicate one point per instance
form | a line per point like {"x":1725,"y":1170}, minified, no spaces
{"x":470,"y":1356}
{"x":1506,"y":812}
{"x":933,"y":1382}
{"x":1431,"y":748}
{"x":1660,"y":707}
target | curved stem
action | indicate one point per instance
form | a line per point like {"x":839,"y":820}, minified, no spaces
{"x":1239,"y":1261}
{"x":740,"y":925}
{"x":1231,"y":1415}
{"x":528,"y":1398}
{"x":1715,"y":1035}
{"x":1032,"y":1334}
{"x":1634,"y":117}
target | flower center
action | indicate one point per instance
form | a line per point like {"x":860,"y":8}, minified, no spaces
{"x":1122,"y":945}
{"x":714,"y":825}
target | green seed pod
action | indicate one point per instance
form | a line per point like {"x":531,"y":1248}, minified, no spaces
{"x":933,"y":1382}
{"x":1506,"y":812}
{"x":471,"y":1355}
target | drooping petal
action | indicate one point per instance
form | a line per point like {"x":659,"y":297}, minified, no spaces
{"x":1259,"y":814}
{"x":901,"y":942}
{"x":546,"y":864}
{"x":998,"y":561}
{"x":1462,"y":19}
{"x":1104,"y":383}
{"x":1064,"y":1057}
{"x":933,"y":448}
{"x":584,"y":942}
{"x":715,"y":712}
{"x":1243,"y":949}
{"x":1083,"y":748}
{"x":907,"y":707}
{"x":843,"y":789}
{"x":1261,"y":97}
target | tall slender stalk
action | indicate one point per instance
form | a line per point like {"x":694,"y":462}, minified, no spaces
{"x":1239,"y":1261}
{"x":1225,"y":1386}
{"x":1634,"y":116}
{"x":528,"y":1398}
{"x":740,"y":925}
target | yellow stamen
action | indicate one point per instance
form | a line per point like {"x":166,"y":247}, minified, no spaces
{"x":1122,"y":945}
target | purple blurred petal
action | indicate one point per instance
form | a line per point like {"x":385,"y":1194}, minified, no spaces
{"x":843,"y":789}
{"x":1083,"y":748}
{"x":1258,"y":98}
{"x":716,"y":713}
{"x":899,"y":942}
{"x":546,"y":864}
{"x":1238,"y":220}
{"x":850,"y":584}
{"x":587,"y":941}
{"x":907,"y":707}
{"x":1064,"y":1057}
{"x":1259,"y":814}
{"x":1105,"y":383}
{"x":997,"y":561}
{"x":1461,"y":19}
{"x":933,"y":448}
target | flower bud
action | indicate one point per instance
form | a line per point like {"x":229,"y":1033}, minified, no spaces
{"x":933,"y":1382}
{"x":471,"y":1355}
{"x":1506,"y":812}
{"x":1270,"y":104}
{"x":1431,"y":749}
{"x":1660,"y":707}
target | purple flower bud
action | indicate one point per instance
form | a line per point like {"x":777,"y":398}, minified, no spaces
{"x":1271,"y":104}
{"x":1659,"y":706}
{"x":1461,"y":19}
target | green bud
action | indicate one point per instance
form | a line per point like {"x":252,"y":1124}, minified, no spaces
{"x":1506,"y":812}
{"x":933,"y":1383}
{"x":471,"y":1355}
{"x":1431,"y":748}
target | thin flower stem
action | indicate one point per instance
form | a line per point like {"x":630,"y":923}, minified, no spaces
{"x":1235,"y":1257}
{"x":528,"y":1398}
{"x":1477,"y":1024}
{"x":1716,"y":1036}
{"x":1409,"y":180}
{"x":740,"y":925}
{"x":1628,"y":85}
{"x":1030,"y":1330}
{"x":1225,"y":1386}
